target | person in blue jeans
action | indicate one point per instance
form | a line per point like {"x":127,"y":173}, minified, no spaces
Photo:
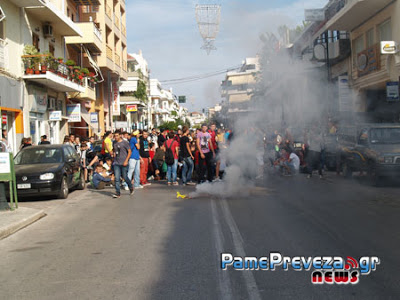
{"x":171,"y":169}
{"x":122,"y":152}
{"x":134,"y":161}
{"x":187,"y":158}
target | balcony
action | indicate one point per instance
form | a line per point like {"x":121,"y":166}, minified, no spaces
{"x":117,"y":59}
{"x":88,"y":95}
{"x":109,"y":53}
{"x":91,"y":37}
{"x":55,"y":75}
{"x":123,"y":29}
{"x":116,"y":22}
{"x":108,"y":11}
{"x":27,"y":3}
{"x":124,"y":65}
{"x":47,"y":12}
{"x":353,"y":13}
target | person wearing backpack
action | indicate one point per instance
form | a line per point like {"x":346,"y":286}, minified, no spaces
{"x":171,"y":159}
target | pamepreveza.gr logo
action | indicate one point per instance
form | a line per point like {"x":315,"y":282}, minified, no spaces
{"x":324,"y":269}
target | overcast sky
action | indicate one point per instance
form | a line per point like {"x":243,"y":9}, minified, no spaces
{"x":167,"y":33}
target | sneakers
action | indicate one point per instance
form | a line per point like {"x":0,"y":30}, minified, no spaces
{"x":308,"y":176}
{"x":175,"y":183}
{"x":151,"y":178}
{"x":126,"y":188}
{"x":132,"y":191}
{"x":116,"y":196}
{"x":169,"y":183}
{"x":139,"y":187}
{"x":190,"y":183}
{"x":147,"y":184}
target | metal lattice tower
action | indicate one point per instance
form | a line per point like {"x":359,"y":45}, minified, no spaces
{"x":208,"y":18}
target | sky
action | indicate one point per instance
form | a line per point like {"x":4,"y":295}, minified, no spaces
{"x":167,"y":33}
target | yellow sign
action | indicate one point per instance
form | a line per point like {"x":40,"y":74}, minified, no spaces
{"x":131,"y":108}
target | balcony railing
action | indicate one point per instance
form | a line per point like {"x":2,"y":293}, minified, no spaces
{"x":108,"y":11}
{"x":123,"y":29}
{"x":97,"y":32}
{"x":117,"y":59}
{"x":2,"y":54}
{"x":116,"y":22}
{"x":124,"y":65}
{"x":109,"y":52}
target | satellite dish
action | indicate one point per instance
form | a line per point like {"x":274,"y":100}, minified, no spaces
{"x":208,"y":18}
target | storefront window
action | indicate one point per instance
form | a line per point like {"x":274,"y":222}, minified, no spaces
{"x":370,"y":37}
{"x":359,"y":44}
{"x":385,"y":31}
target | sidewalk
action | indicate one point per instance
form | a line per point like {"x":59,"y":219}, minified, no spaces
{"x":12,"y":221}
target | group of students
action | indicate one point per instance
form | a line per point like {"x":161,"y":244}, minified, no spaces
{"x":130,"y":160}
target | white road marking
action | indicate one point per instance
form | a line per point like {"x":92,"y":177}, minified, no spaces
{"x":248,"y":276}
{"x":224,"y":282}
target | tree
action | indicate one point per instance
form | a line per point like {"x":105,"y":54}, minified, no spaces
{"x":141,"y":92}
{"x":173,"y":125}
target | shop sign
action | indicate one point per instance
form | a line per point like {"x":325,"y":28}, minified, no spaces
{"x":74,"y":113}
{"x":116,"y":110}
{"x":314,"y":15}
{"x":345,"y":94}
{"x":94,"y":118}
{"x":55,"y":115}
{"x":392,"y":91}
{"x":5,"y":166}
{"x":121,"y":124}
{"x":131,"y":108}
{"x":39,"y":103}
{"x":4,"y":118}
{"x":390,"y":47}
{"x":369,"y":61}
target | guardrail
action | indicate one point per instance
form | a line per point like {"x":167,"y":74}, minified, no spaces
{"x":97,"y":32}
{"x":117,"y":59}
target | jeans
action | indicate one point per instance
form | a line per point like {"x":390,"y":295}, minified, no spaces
{"x":208,"y":159}
{"x":134,"y":169}
{"x":187,"y":169}
{"x":118,"y":172}
{"x":171,"y":171}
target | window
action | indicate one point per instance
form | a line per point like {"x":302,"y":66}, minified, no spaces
{"x":370,"y":37}
{"x":358,"y":44}
{"x":35,"y":41}
{"x":95,"y":9}
{"x":385,"y":31}
{"x":86,"y":9}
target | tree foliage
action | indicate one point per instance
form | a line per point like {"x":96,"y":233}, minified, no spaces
{"x":174,"y":125}
{"x":141,"y":92}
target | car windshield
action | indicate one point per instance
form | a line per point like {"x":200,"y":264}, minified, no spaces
{"x":385,"y":136}
{"x":33,"y":155}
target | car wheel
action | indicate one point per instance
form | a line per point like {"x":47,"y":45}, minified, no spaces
{"x":82,"y":182}
{"x":63,"y":189}
{"x":347,"y":173}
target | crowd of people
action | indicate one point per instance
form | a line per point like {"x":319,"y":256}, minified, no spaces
{"x":131,"y":160}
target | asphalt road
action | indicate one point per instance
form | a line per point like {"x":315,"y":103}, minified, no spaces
{"x":154,"y":246}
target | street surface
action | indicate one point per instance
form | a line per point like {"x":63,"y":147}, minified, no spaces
{"x":154,"y":246}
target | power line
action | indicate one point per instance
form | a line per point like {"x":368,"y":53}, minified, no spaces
{"x":199,"y":76}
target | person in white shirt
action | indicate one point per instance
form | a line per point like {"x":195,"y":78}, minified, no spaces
{"x":292,"y":165}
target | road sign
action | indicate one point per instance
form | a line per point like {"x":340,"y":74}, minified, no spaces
{"x":182,"y":99}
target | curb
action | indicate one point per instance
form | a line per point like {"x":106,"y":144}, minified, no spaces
{"x":12,"y":228}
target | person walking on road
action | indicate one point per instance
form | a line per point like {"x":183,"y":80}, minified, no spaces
{"x":206,"y":152}
{"x":187,"y":158}
{"x":134,"y":161}
{"x":122,"y":152}
{"x":144,"y":152}
{"x":172,"y":145}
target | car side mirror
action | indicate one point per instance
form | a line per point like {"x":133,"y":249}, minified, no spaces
{"x":71,"y":160}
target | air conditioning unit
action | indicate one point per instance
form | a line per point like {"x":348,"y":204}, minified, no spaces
{"x":47,"y":30}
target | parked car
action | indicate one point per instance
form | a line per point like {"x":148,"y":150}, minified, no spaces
{"x":376,"y":152}
{"x":48,"y":170}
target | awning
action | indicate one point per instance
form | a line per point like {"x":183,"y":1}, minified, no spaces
{"x":128,"y":86}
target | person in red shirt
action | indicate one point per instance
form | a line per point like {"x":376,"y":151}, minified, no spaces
{"x":172,"y":169}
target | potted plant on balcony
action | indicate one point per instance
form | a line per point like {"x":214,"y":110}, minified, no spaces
{"x":28,"y":59}
{"x":70,"y":64}
{"x":45,"y":62}
{"x":60,"y":60}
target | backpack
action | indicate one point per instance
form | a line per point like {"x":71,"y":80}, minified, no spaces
{"x":169,"y":155}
